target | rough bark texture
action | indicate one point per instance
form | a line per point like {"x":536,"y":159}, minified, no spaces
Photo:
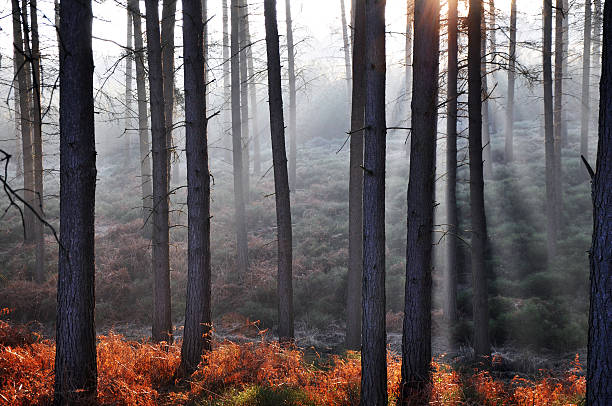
{"x":244,"y":99}
{"x":355,"y":265}
{"x":477,"y":209}
{"x":373,"y":333}
{"x":240,"y":218}
{"x":143,"y":121}
{"x":549,"y":138}
{"x":75,"y":357}
{"x":450,"y":275}
{"x":168,"y":23}
{"x":416,"y":343}
{"x":281,"y":178}
{"x":558,"y":101}
{"x":586,"y":82}
{"x":509,"y":151}
{"x":196,"y":336}
{"x":347,"y":50}
{"x":599,"y":363}
{"x":162,"y":322}
{"x":292,"y":98}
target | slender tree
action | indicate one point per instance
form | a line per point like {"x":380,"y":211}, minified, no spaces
{"x":252,"y":97}
{"x":129,"y":62}
{"x":355,"y":265}
{"x":450,"y":276}
{"x":558,"y":101}
{"x":599,"y":363}
{"x":281,"y":178}
{"x":509,"y":151}
{"x":586,"y":82}
{"x":17,"y":114}
{"x":162,"y":321}
{"x":493,"y":53}
{"x":486,"y":135}
{"x":244,"y":98}
{"x":347,"y":50}
{"x":292,"y":98}
{"x":477,"y":209}
{"x":168,"y":24}
{"x":373,"y":349}
{"x":196,"y":336}
{"x":75,"y":356}
{"x":226,"y":78}
{"x":240,"y":218}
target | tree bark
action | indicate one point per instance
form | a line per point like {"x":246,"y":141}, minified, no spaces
{"x":75,"y":356}
{"x":450,"y":276}
{"x":347,"y":51}
{"x":253,"y":96}
{"x":599,"y":363}
{"x":477,"y":209}
{"x":373,"y":333}
{"x":355,"y":265}
{"x":168,"y":23}
{"x":509,"y":151}
{"x":586,"y":82}
{"x":486,"y":135}
{"x":558,"y":102}
{"x":143,"y":121}
{"x":493,"y":54}
{"x":17,"y":112}
{"x":281,"y":178}
{"x":292,"y":99}
{"x":226,"y":80}
{"x":240,"y":218}
{"x":128,"y":84}
{"x":162,"y":321}
{"x":196,"y":336}
{"x":244,"y":99}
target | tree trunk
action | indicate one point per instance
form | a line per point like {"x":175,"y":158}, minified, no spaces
{"x":450,"y":276}
{"x":549,"y":139}
{"x":143,"y":121}
{"x":347,"y":51}
{"x":486,"y":136}
{"x":355,"y":265}
{"x":281,"y":179}
{"x":75,"y":356}
{"x":240,"y":218}
{"x":244,"y":99}
{"x":196,"y":336}
{"x":566,"y":9}
{"x":26,"y":123}
{"x":408,"y":62}
{"x":226,"y":80}
{"x":477,"y":209}
{"x":373,"y":333}
{"x":253,"y":97}
{"x":492,"y":52}
{"x":599,"y":364}
{"x":586,"y":82}
{"x":162,"y":321}
{"x":292,"y":99}
{"x":168,"y":23}
{"x":416,"y":343}
{"x":17,"y":110}
{"x":509,"y":152}
{"x":128,"y":85}
{"x":558,"y":102}
{"x":597,"y":22}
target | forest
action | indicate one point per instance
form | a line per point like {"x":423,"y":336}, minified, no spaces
{"x":306,"y":202}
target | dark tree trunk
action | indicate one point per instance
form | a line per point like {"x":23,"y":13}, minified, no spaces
{"x":373,"y":333}
{"x":281,"y":179}
{"x":477,"y":209}
{"x":485,"y":134}
{"x":586,"y":82}
{"x":509,"y":152}
{"x":244,"y":99}
{"x":558,"y":102}
{"x":416,"y":342}
{"x":226,"y":80}
{"x":599,"y":364}
{"x":168,"y":23}
{"x":17,"y":112}
{"x":129,"y":61}
{"x":450,"y":276}
{"x":492,"y":53}
{"x":347,"y":50}
{"x":196,"y":336}
{"x":355,"y":265}
{"x":240,"y":218}
{"x":292,"y":99}
{"x":143,"y":121}
{"x":162,"y":321}
{"x":75,"y":356}
{"x":549,"y":138}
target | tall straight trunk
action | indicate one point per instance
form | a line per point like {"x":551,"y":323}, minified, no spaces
{"x":408,"y":48}
{"x":244,"y":99}
{"x":129,"y":62}
{"x":226,"y":80}
{"x":450,"y":276}
{"x":566,"y":10}
{"x":558,"y":101}
{"x":355,"y":264}
{"x":17,"y":112}
{"x":292,"y":98}
{"x":586,"y":82}
{"x":347,"y":50}
{"x":75,"y":355}
{"x":549,"y":138}
{"x":162,"y":321}
{"x":599,"y":363}
{"x":26,"y":123}
{"x":168,"y":23}
{"x":373,"y":333}
{"x":477,"y":209}
{"x":509,"y":151}
{"x":486,"y":136}
{"x":252,"y":97}
{"x":240,"y":217}
{"x":597,"y":23}
{"x":281,"y":177}
{"x":196,"y":336}
{"x":143,"y":121}
{"x":416,"y":337}
{"x":492,"y":52}
{"x":36,"y":115}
